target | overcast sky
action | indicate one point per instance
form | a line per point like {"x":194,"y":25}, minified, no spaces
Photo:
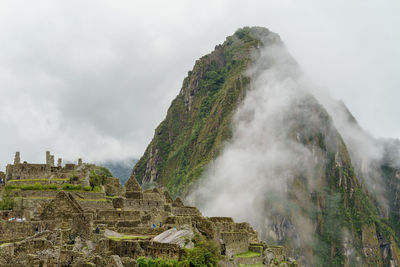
{"x":93,"y":79}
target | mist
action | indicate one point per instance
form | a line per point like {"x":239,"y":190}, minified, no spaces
{"x":255,"y":178}
{"x":250,"y":179}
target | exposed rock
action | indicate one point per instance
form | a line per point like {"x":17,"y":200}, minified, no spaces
{"x":115,"y":261}
{"x":182,"y":237}
{"x":178,"y":203}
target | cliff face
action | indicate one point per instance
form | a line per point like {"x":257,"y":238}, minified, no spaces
{"x":198,"y":120}
{"x":347,"y":223}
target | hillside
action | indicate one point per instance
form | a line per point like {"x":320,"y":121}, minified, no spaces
{"x":246,"y":137}
{"x":198,"y":121}
{"x":120,"y":168}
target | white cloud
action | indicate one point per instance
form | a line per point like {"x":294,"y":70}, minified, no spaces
{"x":94,"y":78}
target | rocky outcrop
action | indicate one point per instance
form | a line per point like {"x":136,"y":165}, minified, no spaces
{"x":198,"y":121}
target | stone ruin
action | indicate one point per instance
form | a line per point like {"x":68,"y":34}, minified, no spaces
{"x":79,"y":228}
{"x":26,"y":170}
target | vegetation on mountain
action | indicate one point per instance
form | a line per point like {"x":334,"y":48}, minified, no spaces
{"x":198,"y":121}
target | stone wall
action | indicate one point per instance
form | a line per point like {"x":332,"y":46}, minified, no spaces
{"x":31,"y":207}
{"x":63,"y":206}
{"x":113,"y":187}
{"x":221,"y":220}
{"x":21,"y":171}
{"x":179,"y":211}
{"x":119,"y":225}
{"x":90,"y":205}
{"x":144,"y":231}
{"x":126,"y":248}
{"x":32,"y":245}
{"x":235,"y":242}
{"x":118,"y":215}
{"x":7,"y":249}
{"x":204,"y":226}
{"x":26,"y":171}
{"x":145,"y":205}
{"x":153,"y":196}
{"x":16,"y":230}
{"x":278,"y":251}
{"x":82,"y":225}
{"x":178,"y":221}
{"x":52,"y":194}
{"x":161,"y":250}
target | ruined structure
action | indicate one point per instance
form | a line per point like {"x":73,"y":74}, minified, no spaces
{"x":61,"y":227}
{"x":48,"y":170}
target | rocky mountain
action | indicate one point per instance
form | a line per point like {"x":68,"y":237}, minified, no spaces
{"x":248,"y":136}
{"x":120,"y":168}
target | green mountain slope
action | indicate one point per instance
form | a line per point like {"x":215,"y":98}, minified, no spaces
{"x":198,"y":121}
{"x":348,"y":226}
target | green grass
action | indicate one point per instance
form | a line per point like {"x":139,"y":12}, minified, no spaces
{"x":204,"y":253}
{"x":38,"y":180}
{"x":35,"y":186}
{"x":248,"y":254}
{"x":53,"y":187}
{"x":93,"y":199}
{"x":127,"y":237}
{"x":71,"y":187}
{"x":47,"y":198}
{"x":112,"y":197}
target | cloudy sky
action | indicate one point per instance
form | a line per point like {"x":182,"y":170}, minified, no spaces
{"x":94,"y":78}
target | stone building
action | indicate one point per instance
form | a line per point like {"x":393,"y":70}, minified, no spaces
{"x":85,"y":228}
{"x":27,"y":170}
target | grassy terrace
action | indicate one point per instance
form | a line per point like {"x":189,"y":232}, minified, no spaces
{"x":54,"y":187}
{"x":44,"y":198}
{"x":127,"y":237}
{"x":50,"y":198}
{"x":39,"y":180}
{"x":248,"y":254}
{"x":93,"y":199}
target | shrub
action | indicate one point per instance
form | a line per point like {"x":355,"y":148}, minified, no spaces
{"x":35,"y":186}
{"x":87,"y":188}
{"x":144,"y":262}
{"x":205,"y":253}
{"x":50,"y":187}
{"x":74,"y":178}
{"x":7,"y":202}
{"x":98,"y":176}
{"x":96,"y":189}
{"x":11,"y":187}
{"x":71,"y":187}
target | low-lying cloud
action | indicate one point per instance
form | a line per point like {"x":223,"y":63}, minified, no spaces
{"x":253,"y":177}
